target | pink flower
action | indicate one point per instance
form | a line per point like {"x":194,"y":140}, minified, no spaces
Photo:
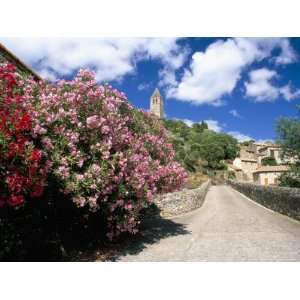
{"x":79,"y":177}
{"x":94,"y":122}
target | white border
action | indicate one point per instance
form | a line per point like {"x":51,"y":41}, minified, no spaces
{"x":135,"y":18}
{"x":149,"y":281}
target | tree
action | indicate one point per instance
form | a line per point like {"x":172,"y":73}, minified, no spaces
{"x":212,"y":153}
{"x":291,"y":178}
{"x":247,"y":143}
{"x":269,"y":161}
{"x":199,"y":127}
{"x":197,"y":144}
{"x":229,"y":144}
{"x":288,"y":133}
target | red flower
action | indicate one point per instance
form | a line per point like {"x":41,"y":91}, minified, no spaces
{"x":19,"y":165}
{"x":15,"y":149}
{"x":36,"y":155}
{"x":24,"y":123}
{"x":37,"y":191}
{"x":15,"y":200}
{"x":16,"y":183}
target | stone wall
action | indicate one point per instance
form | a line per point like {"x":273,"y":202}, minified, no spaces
{"x":281,"y":199}
{"x":184,"y":201}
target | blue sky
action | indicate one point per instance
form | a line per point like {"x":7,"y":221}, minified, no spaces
{"x":239,"y":85}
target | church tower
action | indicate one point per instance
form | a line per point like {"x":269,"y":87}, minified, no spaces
{"x":157,"y":104}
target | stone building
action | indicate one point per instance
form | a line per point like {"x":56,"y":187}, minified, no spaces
{"x":157,"y":104}
{"x":7,"y":56}
{"x":247,"y":165}
{"x":249,"y":162}
{"x":268,"y":175}
{"x":270,"y":150}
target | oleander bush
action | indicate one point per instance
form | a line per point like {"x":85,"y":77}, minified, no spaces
{"x":83,"y":150}
{"x":23,"y":167}
{"x":106,"y":155}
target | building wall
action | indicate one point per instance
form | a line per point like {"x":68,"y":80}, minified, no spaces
{"x":249,"y":167}
{"x":267,"y":178}
{"x":272,"y":152}
{"x":237,"y":162}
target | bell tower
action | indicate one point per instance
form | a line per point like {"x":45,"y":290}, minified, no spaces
{"x":157,"y":104}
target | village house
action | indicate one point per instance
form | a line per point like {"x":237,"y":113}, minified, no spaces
{"x":247,"y":162}
{"x":248,"y":166}
{"x":268,"y":175}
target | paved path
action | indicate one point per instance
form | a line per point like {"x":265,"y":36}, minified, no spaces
{"x":228,"y":227}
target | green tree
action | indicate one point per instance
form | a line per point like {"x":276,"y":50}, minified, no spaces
{"x":288,"y":134}
{"x":247,"y":143}
{"x":197,"y":145}
{"x":269,"y":161}
{"x":229,"y":144}
{"x":212,"y":153}
{"x":199,"y":127}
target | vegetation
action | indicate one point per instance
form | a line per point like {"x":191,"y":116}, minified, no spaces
{"x":247,"y":143}
{"x":75,"y":159}
{"x":269,"y":161}
{"x":200,"y":149}
{"x":288,"y":131}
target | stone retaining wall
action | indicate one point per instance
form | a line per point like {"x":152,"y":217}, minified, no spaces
{"x":281,"y":199}
{"x":184,"y":201}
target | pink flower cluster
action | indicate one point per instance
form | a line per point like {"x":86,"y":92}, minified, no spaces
{"x":107,"y":155}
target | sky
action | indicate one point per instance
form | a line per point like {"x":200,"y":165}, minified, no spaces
{"x":240,"y":86}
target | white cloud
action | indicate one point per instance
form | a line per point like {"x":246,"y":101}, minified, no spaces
{"x":261,"y":88}
{"x":111,"y":58}
{"x":288,"y":94}
{"x":263,"y":141}
{"x":240,"y":136}
{"x":235,"y":113}
{"x":188,"y":122}
{"x":214,"y":125}
{"x":215,"y":73}
{"x":217,"y":127}
{"x":143,"y":86}
{"x":287,"y":55}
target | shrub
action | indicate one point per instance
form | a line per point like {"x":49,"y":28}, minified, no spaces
{"x":291,"y":178}
{"x":269,"y":161}
{"x":106,"y":156}
{"x":22,"y":164}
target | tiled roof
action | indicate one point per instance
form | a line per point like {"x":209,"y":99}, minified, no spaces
{"x":280,"y":168}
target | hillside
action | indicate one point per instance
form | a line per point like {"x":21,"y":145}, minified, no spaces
{"x":200,"y":149}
